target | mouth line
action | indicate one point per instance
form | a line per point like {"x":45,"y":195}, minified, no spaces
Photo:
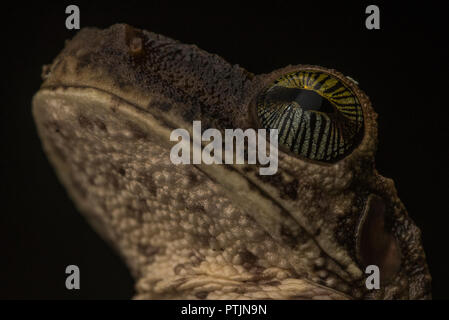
{"x":285,"y":218}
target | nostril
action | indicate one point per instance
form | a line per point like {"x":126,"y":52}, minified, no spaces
{"x":376,"y":243}
{"x":135,"y":45}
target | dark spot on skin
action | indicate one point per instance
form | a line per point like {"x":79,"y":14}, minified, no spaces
{"x":137,"y":132}
{"x":287,"y":190}
{"x":148,"y":182}
{"x":84,"y":122}
{"x":193,"y":178}
{"x":288,"y":236}
{"x":273,"y":283}
{"x":100,"y":124}
{"x":248,"y":259}
{"x":202,"y":295}
{"x":149,"y":251}
{"x":52,"y":126}
{"x":121,"y":171}
{"x":196,"y":258}
{"x":291,"y":190}
{"x":198,"y":208}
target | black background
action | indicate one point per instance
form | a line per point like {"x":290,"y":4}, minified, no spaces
{"x":402,"y":67}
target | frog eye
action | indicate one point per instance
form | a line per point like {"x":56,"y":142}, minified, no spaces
{"x":317,"y":114}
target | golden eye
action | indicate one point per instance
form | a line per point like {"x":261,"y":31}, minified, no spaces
{"x":318,"y":116}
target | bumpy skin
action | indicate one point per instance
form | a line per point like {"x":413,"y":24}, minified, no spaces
{"x":105,"y":112}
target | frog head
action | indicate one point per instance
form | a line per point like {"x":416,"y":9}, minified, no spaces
{"x":105,"y":112}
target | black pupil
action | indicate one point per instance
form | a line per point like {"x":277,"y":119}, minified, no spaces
{"x":307,"y":99}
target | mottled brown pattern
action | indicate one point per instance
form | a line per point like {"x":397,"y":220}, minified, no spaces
{"x":104,"y":114}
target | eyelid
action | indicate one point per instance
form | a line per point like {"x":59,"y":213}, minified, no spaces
{"x":353,"y":80}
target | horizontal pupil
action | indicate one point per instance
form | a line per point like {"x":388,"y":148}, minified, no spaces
{"x":307,"y":99}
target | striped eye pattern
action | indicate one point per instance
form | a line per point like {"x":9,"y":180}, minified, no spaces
{"x":317,"y":115}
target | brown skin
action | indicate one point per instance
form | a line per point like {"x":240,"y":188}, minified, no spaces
{"x":105,"y":112}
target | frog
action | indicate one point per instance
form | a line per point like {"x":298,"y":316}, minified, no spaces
{"x":104,"y":113}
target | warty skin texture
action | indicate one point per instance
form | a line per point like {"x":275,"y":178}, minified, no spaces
{"x":104,"y":114}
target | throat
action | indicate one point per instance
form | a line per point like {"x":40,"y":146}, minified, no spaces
{"x":272,"y":283}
